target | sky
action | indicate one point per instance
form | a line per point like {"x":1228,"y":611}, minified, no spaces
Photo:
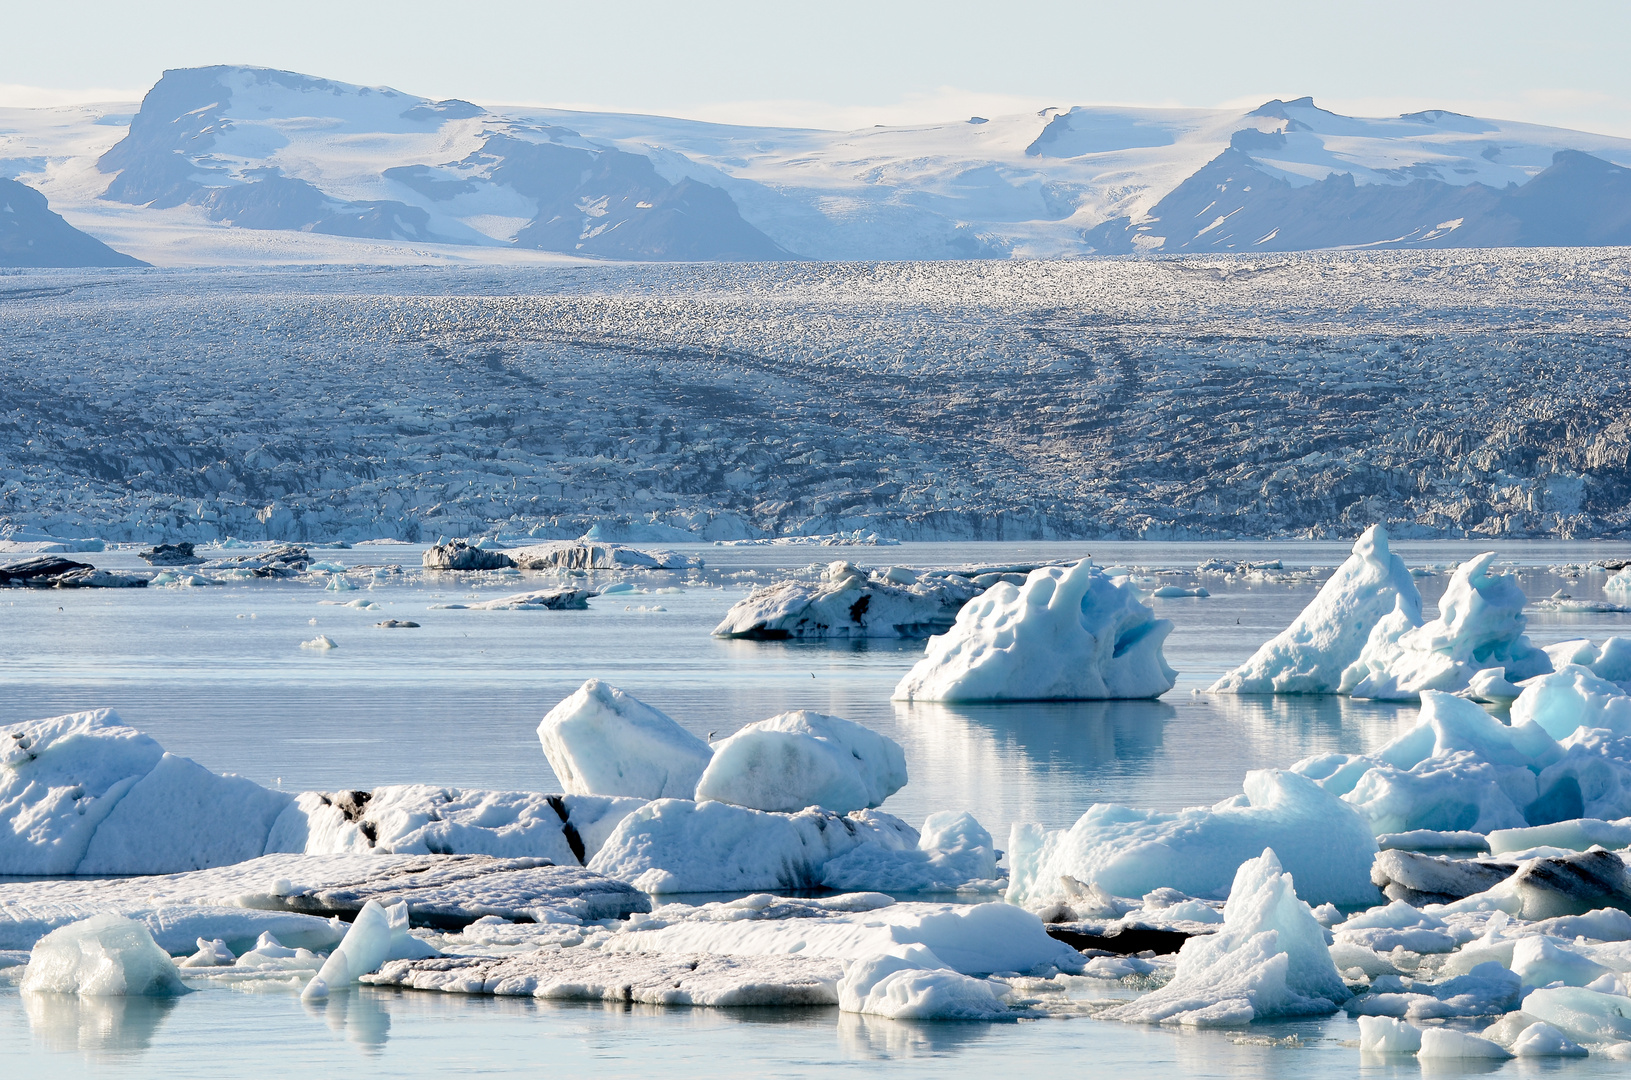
{"x":843,"y":64}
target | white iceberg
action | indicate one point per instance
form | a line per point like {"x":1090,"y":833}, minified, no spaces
{"x":1586,"y":1015}
{"x":1572,"y":697}
{"x":103,"y":956}
{"x":1386,"y":1035}
{"x":1319,"y":839}
{"x":1480,"y":626}
{"x":1310,"y":655}
{"x":1067,"y":633}
{"x":1269,"y":959}
{"x":1437,"y":1042}
{"x":679,"y":846}
{"x":1620,"y":582}
{"x":602,"y":741}
{"x":910,"y":982}
{"x":1611,"y":660}
{"x":848,"y":602}
{"x":801,"y":759}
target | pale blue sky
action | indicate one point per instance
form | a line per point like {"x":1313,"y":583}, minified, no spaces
{"x":841,"y":63}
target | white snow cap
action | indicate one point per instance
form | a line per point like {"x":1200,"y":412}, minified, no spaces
{"x":1310,"y":655}
{"x":1321,"y":841}
{"x":1067,"y":633}
{"x":801,"y":759}
{"x":103,"y":956}
{"x":1270,"y":959}
{"x":1480,"y":626}
{"x":602,"y":741}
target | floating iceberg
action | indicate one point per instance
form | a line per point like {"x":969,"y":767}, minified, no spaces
{"x":910,"y":982}
{"x":1611,"y":660}
{"x":1269,"y":959}
{"x":848,"y":602}
{"x":801,"y":759}
{"x":1572,"y":697}
{"x":458,"y":555}
{"x":1310,"y":655}
{"x":678,"y":846}
{"x":1067,"y":633}
{"x":1620,"y":582}
{"x":377,"y":934}
{"x":595,"y":555}
{"x":1480,"y":627}
{"x":104,"y":956}
{"x":1324,"y":844}
{"x":537,"y":600}
{"x":602,"y":741}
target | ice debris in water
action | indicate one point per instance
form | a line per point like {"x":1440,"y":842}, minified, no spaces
{"x":210,"y":954}
{"x":377,"y":934}
{"x":1480,"y":627}
{"x":321,"y":641}
{"x":1269,"y":959}
{"x":1437,"y":1042}
{"x":1324,"y":844}
{"x":602,"y":741}
{"x":1067,"y":633}
{"x":848,"y":602}
{"x":1310,"y":655}
{"x":911,"y":983}
{"x":103,"y":956}
{"x":1386,"y":1035}
{"x":801,"y":759}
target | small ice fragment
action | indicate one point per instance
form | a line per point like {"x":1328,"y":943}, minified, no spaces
{"x":321,"y":641}
{"x":1385,"y":1035}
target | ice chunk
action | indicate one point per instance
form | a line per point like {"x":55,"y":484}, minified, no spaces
{"x":1385,"y":1035}
{"x":1397,"y":925}
{"x":596,"y":555}
{"x":1309,"y":656}
{"x":322,"y":643}
{"x":1573,"y":697}
{"x":558,"y":599}
{"x":1541,"y":1039}
{"x":210,"y":954}
{"x":801,"y":759}
{"x":674,"y":845}
{"x":1437,"y":1042}
{"x":1582,"y":1014}
{"x":911,"y":983}
{"x":848,"y":602}
{"x":1321,"y":841}
{"x":1068,"y":632}
{"x":366,"y":946}
{"x":602,"y":741}
{"x":974,"y":939}
{"x":1620,"y":582}
{"x":1539,"y":962}
{"x":103,"y":956}
{"x":1577,"y":834}
{"x":1480,"y":626}
{"x":1435,"y":879}
{"x":1269,"y":959}
{"x":954,"y":850}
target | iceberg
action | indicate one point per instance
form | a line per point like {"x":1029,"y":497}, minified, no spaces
{"x":910,"y":982}
{"x":1572,"y":697}
{"x":1480,"y":627}
{"x":1269,"y":959}
{"x":848,"y":602}
{"x":1611,"y":660}
{"x":375,"y":933}
{"x":1437,"y":1042}
{"x":1385,"y":1035}
{"x":1586,"y":1015}
{"x":679,"y":846}
{"x":1323,"y":843}
{"x":103,"y":956}
{"x":1310,"y":655}
{"x":1067,"y":633}
{"x":602,"y":741}
{"x":801,"y":759}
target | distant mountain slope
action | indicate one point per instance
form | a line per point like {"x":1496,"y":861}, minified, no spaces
{"x":263,"y":149}
{"x":237,"y":164}
{"x":31,"y":235}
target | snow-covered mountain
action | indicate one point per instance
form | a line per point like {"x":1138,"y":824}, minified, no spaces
{"x":247,"y":165}
{"x":31,"y":235}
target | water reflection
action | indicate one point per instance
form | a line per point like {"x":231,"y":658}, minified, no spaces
{"x":359,"y":1015}
{"x":97,"y":1027}
{"x":875,"y":1038}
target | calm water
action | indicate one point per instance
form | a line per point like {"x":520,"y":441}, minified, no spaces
{"x":456,"y":702}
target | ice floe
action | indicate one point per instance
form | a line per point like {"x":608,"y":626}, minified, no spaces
{"x":849,"y":602}
{"x":558,"y":599}
{"x":909,"y":982}
{"x":1320,"y":840}
{"x":801,"y":759}
{"x":1067,"y":632}
{"x":1310,"y":655}
{"x":603,"y":741}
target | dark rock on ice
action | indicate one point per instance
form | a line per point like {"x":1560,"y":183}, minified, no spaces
{"x":179,"y":554}
{"x":848,"y":602}
{"x":1125,"y":940}
{"x":458,"y":555}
